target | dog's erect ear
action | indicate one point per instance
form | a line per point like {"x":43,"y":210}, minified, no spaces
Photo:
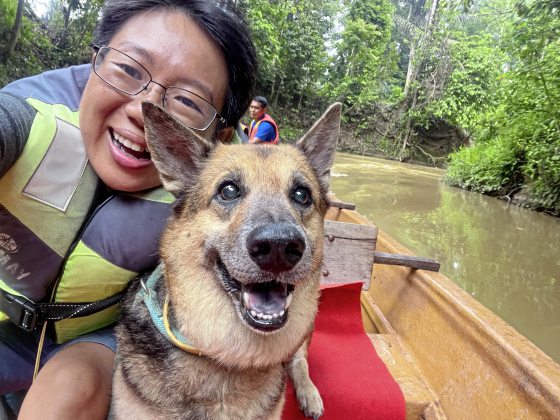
{"x":176,"y":150}
{"x":319,"y":143}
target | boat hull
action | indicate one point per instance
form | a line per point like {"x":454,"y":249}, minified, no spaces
{"x":452,"y":357}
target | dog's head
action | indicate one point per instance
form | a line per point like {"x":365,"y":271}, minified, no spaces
{"x":242,"y":251}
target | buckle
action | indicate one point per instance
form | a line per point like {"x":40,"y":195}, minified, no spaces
{"x":20,"y":310}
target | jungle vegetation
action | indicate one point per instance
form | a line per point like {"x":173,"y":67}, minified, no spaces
{"x":469,"y":85}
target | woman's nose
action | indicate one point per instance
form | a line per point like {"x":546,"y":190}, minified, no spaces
{"x":152,"y":93}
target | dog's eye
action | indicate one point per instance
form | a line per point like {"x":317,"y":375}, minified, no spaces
{"x":229,"y":191}
{"x":302,"y":196}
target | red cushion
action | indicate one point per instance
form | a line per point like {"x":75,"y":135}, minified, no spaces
{"x":353,"y":381}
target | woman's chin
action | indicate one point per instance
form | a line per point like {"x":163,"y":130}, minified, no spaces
{"x":132,"y":184}
{"x":128,"y":180}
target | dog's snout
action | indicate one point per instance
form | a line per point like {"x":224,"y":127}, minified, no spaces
{"x":276,"y":247}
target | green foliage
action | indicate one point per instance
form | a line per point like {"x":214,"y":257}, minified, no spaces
{"x":7,"y":16}
{"x":518,"y":135}
{"x":290,"y":39}
{"x":27,"y":58}
{"x":473,"y":82}
{"x":360,"y":60}
{"x":61,"y":38}
{"x":70,"y":24}
{"x":487,"y":68}
{"x":490,"y":168}
{"x":543,"y":168}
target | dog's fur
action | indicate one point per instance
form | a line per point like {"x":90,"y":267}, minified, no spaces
{"x":244,"y":215}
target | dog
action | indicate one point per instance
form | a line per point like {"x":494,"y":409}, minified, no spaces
{"x":226,"y":317}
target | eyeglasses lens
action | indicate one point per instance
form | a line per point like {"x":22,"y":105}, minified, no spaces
{"x":127,"y":75}
{"x":121,"y":71}
{"x":189,"y":107}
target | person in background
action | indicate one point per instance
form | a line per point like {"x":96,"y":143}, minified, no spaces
{"x":81,"y":206}
{"x":263,"y":128}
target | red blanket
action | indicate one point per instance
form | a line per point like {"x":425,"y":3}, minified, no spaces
{"x":353,"y":381}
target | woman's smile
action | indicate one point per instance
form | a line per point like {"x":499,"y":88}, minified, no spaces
{"x":128,"y":154}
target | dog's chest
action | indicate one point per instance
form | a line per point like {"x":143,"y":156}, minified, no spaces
{"x":204,"y":390}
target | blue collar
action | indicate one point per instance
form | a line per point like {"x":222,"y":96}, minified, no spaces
{"x":148,"y":295}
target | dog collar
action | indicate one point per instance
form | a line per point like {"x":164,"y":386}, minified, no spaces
{"x":160,"y":318}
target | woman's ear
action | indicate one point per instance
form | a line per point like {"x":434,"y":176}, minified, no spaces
{"x":225,"y":135}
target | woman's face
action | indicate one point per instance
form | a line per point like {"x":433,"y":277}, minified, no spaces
{"x":176,"y":52}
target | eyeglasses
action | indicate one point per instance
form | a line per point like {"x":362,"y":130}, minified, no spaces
{"x":128,"y":76}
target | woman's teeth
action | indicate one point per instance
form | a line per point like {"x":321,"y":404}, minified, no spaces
{"x":127,"y":143}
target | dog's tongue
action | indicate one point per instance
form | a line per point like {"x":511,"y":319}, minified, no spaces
{"x":267,"y":298}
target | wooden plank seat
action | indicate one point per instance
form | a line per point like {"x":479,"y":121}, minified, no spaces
{"x":349,"y":254}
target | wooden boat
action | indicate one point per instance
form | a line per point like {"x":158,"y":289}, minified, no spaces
{"x":452,"y":357}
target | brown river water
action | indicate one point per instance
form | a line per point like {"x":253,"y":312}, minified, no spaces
{"x":506,"y":257}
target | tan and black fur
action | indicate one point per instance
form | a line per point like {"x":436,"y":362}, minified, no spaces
{"x":248,"y":221}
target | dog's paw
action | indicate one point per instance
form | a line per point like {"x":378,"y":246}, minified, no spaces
{"x":310,"y":401}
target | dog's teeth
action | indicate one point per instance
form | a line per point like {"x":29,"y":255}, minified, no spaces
{"x":281,"y":313}
{"x":275,"y":315}
{"x":247,"y":301}
{"x":288,"y":301}
{"x":260,"y":316}
{"x":254,"y":313}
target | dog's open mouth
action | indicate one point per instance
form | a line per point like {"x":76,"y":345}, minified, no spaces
{"x":264,"y":306}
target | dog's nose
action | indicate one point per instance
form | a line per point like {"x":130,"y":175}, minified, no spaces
{"x":276,"y":247}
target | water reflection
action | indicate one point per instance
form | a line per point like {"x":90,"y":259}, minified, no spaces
{"x":508,"y":258}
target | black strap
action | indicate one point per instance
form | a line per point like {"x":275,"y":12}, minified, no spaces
{"x":29,"y":315}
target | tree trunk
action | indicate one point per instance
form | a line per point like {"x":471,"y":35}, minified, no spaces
{"x":412,"y":68}
{"x":63,"y":42}
{"x":408,"y":127}
{"x":11,"y":46}
{"x":410,"y":73}
{"x":278,"y":91}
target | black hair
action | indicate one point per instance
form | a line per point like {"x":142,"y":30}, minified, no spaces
{"x":221,"y":20}
{"x":261,"y":100}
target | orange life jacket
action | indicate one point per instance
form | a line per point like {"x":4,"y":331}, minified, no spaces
{"x":255,"y":127}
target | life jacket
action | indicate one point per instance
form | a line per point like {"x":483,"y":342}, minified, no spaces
{"x":255,"y":127}
{"x":57,"y":244}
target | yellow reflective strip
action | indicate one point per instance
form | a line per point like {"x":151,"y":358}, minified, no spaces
{"x":88,"y":277}
{"x":59,"y":110}
{"x":157,"y":194}
{"x":8,"y":289}
{"x":68,"y":329}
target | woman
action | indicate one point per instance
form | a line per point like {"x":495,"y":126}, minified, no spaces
{"x":70,"y":232}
